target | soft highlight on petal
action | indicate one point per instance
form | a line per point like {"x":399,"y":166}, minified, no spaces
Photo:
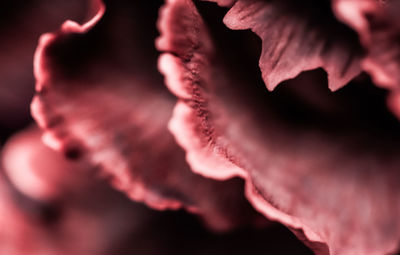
{"x":378,"y":25}
{"x":21,"y":24}
{"x":100,"y":97}
{"x":323,"y":164}
{"x":298,"y":36}
{"x":64,"y":209}
{"x":27,"y":163}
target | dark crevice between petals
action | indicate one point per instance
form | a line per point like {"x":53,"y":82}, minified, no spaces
{"x":378,"y":26}
{"x":99,"y":97}
{"x":21,"y":24}
{"x":322,"y":163}
{"x":299,"y":36}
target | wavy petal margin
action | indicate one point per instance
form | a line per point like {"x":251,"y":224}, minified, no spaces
{"x":26,"y":161}
{"x":331,"y":179}
{"x":99,"y":96}
{"x":63,"y":209}
{"x":298,"y":36}
{"x":76,"y":214}
{"x":378,"y":25}
{"x":21,"y":24}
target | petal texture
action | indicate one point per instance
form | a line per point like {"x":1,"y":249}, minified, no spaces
{"x":99,"y":96}
{"x":62,"y":209}
{"x":323,"y":164}
{"x":298,"y":36}
{"x":78,"y":214}
{"x":378,"y":25}
{"x":21,"y":24}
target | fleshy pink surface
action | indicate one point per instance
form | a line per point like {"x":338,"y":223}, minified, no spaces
{"x":298,"y":36}
{"x":278,"y":119}
{"x":64,"y":209}
{"x":38,"y":172}
{"x":378,"y":25}
{"x":99,"y":97}
{"x":21,"y":24}
{"x":114,"y":225}
{"x":326,"y":165}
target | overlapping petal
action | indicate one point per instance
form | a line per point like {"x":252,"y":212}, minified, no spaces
{"x":38,"y":172}
{"x":298,"y":36}
{"x":378,"y":25}
{"x":324,"y":164}
{"x":21,"y":24}
{"x":100,"y":97}
{"x":55,"y":206}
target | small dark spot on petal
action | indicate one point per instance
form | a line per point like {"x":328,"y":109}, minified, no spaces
{"x":73,"y":153}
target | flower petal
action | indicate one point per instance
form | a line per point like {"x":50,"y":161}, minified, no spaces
{"x":325,"y":164}
{"x":87,"y":217}
{"x":378,"y":25}
{"x":298,"y":36}
{"x":99,"y":96}
{"x":21,"y":24}
{"x":34,"y":173}
{"x":64,"y":209}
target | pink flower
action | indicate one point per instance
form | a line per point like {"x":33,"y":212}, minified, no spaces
{"x":326,"y":164}
{"x":293,"y":105}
